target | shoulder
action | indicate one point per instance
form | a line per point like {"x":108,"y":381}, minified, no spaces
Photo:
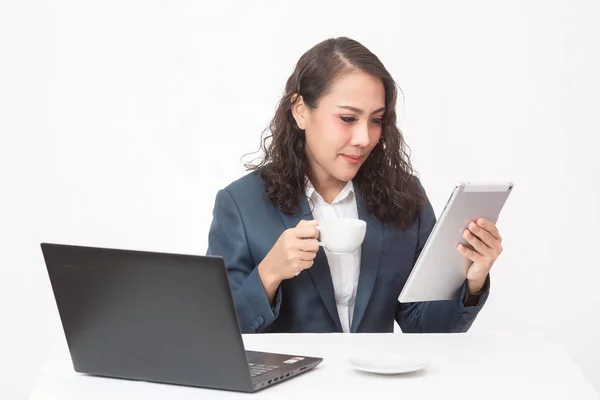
{"x":246,"y":196}
{"x":250,"y":185}
{"x":246,"y":192}
{"x":426,"y":215}
{"x":416,"y":182}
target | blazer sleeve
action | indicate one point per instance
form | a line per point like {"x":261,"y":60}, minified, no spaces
{"x":448,"y":316}
{"x":228,"y":239}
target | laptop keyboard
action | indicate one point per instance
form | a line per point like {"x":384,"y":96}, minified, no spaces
{"x":259,"y":369}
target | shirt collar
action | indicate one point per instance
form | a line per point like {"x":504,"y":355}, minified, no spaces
{"x":310,"y":191}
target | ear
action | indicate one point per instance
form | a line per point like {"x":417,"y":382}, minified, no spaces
{"x":299,"y":111}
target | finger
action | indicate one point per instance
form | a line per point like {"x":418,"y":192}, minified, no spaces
{"x":306,"y":232}
{"x":308,"y":245}
{"x":305,"y":255}
{"x":477,"y":244}
{"x":483,"y":235}
{"x":470,"y":253}
{"x":303,"y":264}
{"x":490,"y":227}
{"x":307,"y":222}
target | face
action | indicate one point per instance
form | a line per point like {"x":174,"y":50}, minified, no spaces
{"x":344,"y":127}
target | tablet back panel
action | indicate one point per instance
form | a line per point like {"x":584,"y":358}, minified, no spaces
{"x":440,"y":269}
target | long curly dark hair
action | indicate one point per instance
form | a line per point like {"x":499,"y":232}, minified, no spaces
{"x":385,"y":182}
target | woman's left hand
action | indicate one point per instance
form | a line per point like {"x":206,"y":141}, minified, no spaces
{"x":486,"y":244}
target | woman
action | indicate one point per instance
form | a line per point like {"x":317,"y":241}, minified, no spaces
{"x":335,"y":151}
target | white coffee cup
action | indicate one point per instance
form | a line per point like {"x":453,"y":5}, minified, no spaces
{"x":341,"y":235}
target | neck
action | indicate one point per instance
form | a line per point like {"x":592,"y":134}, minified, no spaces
{"x":329,"y":187}
{"x":325,"y":184}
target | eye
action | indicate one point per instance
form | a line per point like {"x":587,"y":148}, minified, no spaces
{"x":377,"y":121}
{"x":348,"y":120}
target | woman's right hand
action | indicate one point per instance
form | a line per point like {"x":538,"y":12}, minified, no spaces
{"x":294,"y":251}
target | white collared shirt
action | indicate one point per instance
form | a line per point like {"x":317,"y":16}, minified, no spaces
{"x":344,"y":268}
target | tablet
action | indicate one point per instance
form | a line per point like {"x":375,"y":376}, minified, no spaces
{"x":441,"y":270}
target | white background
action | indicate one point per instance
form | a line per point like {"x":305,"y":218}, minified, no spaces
{"x":119,"y":121}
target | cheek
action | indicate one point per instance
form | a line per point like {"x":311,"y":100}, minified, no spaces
{"x":340,"y":131}
{"x":375,"y":134}
{"x":327,"y":136}
{"x":330,"y":134}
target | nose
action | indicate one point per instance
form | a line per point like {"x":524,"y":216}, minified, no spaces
{"x":360,"y":136}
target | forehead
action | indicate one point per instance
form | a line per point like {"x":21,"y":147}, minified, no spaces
{"x":356,"y":89}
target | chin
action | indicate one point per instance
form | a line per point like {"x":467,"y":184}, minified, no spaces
{"x":346,"y":176}
{"x":347,"y":172}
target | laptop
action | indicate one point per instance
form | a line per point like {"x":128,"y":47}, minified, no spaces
{"x":158,"y":317}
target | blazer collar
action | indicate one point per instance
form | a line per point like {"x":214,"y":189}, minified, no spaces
{"x":369,"y":262}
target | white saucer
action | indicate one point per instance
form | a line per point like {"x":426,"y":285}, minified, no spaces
{"x":388,"y":364}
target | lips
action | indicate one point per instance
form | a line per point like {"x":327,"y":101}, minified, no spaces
{"x":352,"y":159}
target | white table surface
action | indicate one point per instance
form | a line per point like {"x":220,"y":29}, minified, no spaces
{"x":462,"y":366}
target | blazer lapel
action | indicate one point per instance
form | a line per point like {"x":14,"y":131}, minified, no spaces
{"x":369,"y":263}
{"x":319,"y":272}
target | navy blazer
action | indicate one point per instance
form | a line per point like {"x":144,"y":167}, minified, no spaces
{"x":245,"y":227}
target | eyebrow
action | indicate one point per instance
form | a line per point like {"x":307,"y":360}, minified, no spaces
{"x":359,"y":111}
